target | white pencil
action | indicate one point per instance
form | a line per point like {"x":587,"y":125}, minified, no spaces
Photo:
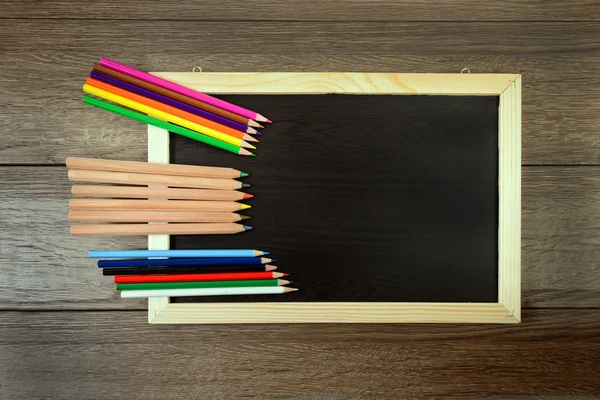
{"x":206,"y":292}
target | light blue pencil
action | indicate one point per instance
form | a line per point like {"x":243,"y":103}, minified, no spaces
{"x":174,"y":253}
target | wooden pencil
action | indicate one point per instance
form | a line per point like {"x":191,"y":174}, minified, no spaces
{"x":226,"y":276}
{"x":187,"y":261}
{"x":185,"y":270}
{"x":183,"y":90}
{"x":198,"y":285}
{"x":129,"y":178}
{"x":138,"y":167}
{"x":153,"y":216}
{"x":171,"y":110}
{"x":179,"y":254}
{"x":188,"y":133}
{"x":157,"y":229}
{"x":174,"y":95}
{"x":140,"y":192}
{"x":166,"y":100}
{"x":155,"y":205}
{"x":206,"y":292}
{"x":165,"y":116}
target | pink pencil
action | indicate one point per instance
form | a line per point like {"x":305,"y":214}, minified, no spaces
{"x":182,"y":90}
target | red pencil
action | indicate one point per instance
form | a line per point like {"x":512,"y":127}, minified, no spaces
{"x":226,"y":276}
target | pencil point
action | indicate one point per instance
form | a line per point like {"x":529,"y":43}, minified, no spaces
{"x":247,"y":228}
{"x":247,"y":196}
{"x":269,"y":121}
{"x":243,"y":217}
{"x":254,"y":123}
{"x":252,"y":154}
{"x":244,"y":206}
{"x":270,"y":268}
{"x":246,"y":145}
{"x":284,"y":274}
{"x":245,"y":185}
{"x":251,"y":139}
{"x":244,"y":152}
{"x":289,"y":289}
{"x":258,"y":133}
{"x":243,"y":174}
{"x":282,"y":282}
{"x":264,"y":253}
{"x":251,"y":131}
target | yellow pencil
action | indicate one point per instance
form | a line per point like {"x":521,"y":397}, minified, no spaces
{"x":165,"y":116}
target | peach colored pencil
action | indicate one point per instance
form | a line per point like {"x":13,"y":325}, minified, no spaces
{"x":153,"y":216}
{"x":155,"y":205}
{"x":140,"y":192}
{"x":157,"y":229}
{"x":97,"y":164}
{"x":156,"y":180}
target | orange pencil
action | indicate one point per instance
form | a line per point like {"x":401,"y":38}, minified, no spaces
{"x":171,"y":110}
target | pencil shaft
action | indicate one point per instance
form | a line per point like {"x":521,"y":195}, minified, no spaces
{"x":156,"y":193}
{"x":191,"y":255}
{"x":203,"y":262}
{"x":97,"y":164}
{"x":156,"y":229}
{"x":152,"y":216}
{"x":193,"y":285}
{"x":157,"y":105}
{"x":155,"y":205}
{"x":175,"y":270}
{"x":203,"y":292}
{"x":178,"y":88}
{"x":162,"y":124}
{"x":161,"y":114}
{"x":226,"y":276}
{"x":152,"y":179}
{"x":171,"y":94}
{"x":169,"y":101}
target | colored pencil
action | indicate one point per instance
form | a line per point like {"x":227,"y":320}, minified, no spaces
{"x":138,"y":167}
{"x":174,"y":103}
{"x":199,"y":254}
{"x":174,"y":95}
{"x":203,"y":262}
{"x":166,"y":125}
{"x":183,"y":90}
{"x":156,"y":205}
{"x":165,"y":116}
{"x":152,"y":179}
{"x":206,"y":292}
{"x":189,"y":270}
{"x":139,"y":192}
{"x":158,"y":229}
{"x":226,"y":276}
{"x":153,"y":216}
{"x":157,"y":105}
{"x":198,"y":285}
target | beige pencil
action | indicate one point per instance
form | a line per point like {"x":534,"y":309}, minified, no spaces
{"x":156,"y":205}
{"x":140,"y":192}
{"x":96,"y":164}
{"x":156,"y":229}
{"x":156,"y":180}
{"x":153,"y":216}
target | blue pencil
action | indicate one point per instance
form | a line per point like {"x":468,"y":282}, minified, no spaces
{"x":175,"y":103}
{"x":185,"y":262}
{"x":174,"y":253}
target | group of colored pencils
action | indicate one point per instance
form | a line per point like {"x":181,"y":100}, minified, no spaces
{"x":138,"y":273}
{"x":179,"y":199}
{"x":155,"y":101}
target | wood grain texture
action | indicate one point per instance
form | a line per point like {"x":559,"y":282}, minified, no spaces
{"x":74,"y":355}
{"x":298,"y":10}
{"x":560,"y":242}
{"x":561,"y":110}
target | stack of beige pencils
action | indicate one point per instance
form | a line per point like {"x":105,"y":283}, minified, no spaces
{"x":139,"y":198}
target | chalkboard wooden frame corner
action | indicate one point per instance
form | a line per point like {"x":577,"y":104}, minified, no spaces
{"x":508,"y":307}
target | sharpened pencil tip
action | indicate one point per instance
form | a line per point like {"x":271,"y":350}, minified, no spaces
{"x":266,"y":252}
{"x":247,"y":196}
{"x":247,"y":228}
{"x":257,"y":133}
{"x":243,"y":174}
{"x":270,"y":268}
{"x":245,"y":185}
{"x":243,"y":217}
{"x":269,"y":121}
{"x":252,"y":155}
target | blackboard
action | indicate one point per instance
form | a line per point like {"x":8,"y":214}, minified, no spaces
{"x":368,"y":198}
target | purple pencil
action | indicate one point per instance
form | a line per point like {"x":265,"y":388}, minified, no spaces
{"x":174,"y":103}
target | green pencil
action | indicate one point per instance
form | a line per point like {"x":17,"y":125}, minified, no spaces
{"x":200,"y":285}
{"x":165,"y":125}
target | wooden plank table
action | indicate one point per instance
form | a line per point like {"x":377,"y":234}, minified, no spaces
{"x":65,"y":334}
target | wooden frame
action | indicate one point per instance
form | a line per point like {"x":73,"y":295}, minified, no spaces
{"x":508,"y":308}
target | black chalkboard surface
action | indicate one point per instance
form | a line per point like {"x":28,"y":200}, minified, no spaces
{"x":368,"y":198}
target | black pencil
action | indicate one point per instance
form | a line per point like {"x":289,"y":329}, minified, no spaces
{"x":185,"y":270}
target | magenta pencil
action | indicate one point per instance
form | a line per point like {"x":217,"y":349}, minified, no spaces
{"x":182,"y":90}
